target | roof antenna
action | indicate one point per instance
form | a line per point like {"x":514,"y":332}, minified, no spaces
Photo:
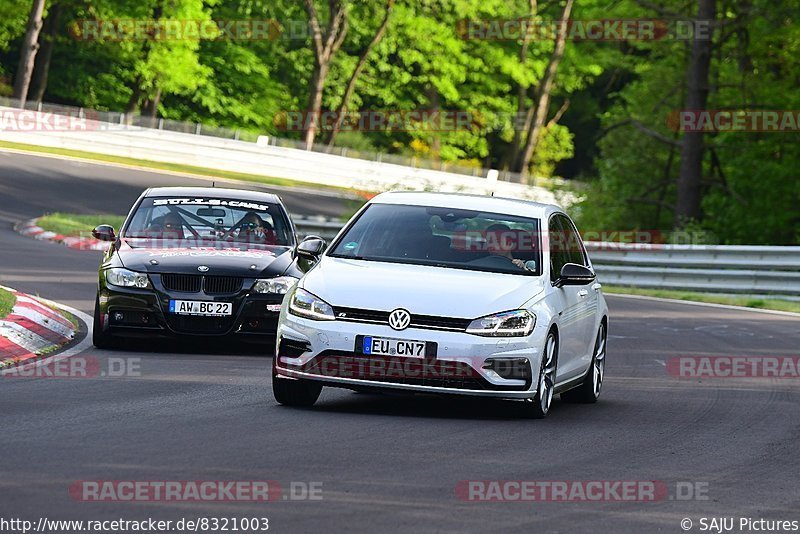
{"x":492,"y":193}
{"x":213,"y":184}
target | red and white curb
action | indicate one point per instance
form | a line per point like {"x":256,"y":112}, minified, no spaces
{"x":31,"y":329}
{"x":32,"y":229}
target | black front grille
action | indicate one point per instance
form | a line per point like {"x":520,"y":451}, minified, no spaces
{"x":192,"y":283}
{"x":439,"y":323}
{"x":417,"y":321}
{"x":184,"y":283}
{"x":222,"y":285}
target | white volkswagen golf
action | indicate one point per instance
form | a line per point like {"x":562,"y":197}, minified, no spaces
{"x":446,"y":294}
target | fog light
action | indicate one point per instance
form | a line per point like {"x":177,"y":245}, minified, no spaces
{"x":509,"y":368}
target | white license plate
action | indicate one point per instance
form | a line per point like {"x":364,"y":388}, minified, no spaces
{"x":199,"y":307}
{"x":381,"y":346}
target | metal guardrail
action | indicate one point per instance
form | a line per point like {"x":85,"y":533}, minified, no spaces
{"x":122,"y":119}
{"x":744,"y":270}
{"x":209,"y":152}
{"x":319,"y":226}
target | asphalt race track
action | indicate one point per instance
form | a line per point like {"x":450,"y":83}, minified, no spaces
{"x":385,"y":463}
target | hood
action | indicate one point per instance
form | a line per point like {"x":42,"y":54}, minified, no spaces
{"x":224,"y":259}
{"x":420,"y":289}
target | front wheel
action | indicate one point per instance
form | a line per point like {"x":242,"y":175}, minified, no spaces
{"x":295,"y":392}
{"x":589,"y":390}
{"x":539,"y":406}
{"x":100,"y":338}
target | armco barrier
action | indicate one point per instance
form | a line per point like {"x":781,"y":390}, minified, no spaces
{"x":747,"y":270}
{"x":752,"y":270}
{"x":251,"y":158}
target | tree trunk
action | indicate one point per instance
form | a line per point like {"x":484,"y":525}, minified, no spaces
{"x":436,"y":139}
{"x":27,"y":56}
{"x":362,"y":61}
{"x":687,"y":206}
{"x":522,"y":91}
{"x":544,"y":93}
{"x":316,"y":88}
{"x":325,"y":45}
{"x":41,"y":68}
{"x":136,"y":94}
{"x":150,"y":106}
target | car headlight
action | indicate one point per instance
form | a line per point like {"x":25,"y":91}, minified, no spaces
{"x":515,"y":323}
{"x":304,"y":304}
{"x":125,"y":278}
{"x":276,"y":286}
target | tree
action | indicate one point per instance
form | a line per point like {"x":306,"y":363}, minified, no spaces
{"x":537,"y":115}
{"x":687,"y":205}
{"x":362,"y":61}
{"x":47,"y":40}
{"x":325,"y":44}
{"x":27,"y":57}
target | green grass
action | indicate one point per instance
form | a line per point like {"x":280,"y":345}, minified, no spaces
{"x":175,"y":167}
{"x":744,"y":301}
{"x":7,"y":301}
{"x":74,"y":225}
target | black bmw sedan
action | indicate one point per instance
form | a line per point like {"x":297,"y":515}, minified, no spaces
{"x":198,"y":262}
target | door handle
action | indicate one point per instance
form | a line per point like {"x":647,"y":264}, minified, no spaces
{"x":582,"y":293}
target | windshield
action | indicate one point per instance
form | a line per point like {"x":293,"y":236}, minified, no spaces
{"x":210,"y":220}
{"x":443,"y":237}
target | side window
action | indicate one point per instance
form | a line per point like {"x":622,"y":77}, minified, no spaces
{"x":558,"y":251}
{"x":572,"y":242}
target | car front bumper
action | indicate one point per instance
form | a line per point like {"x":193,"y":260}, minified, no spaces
{"x":463,"y":364}
{"x":145,"y":313}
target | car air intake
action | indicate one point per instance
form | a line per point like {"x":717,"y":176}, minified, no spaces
{"x":222,"y":285}
{"x":184,"y":283}
{"x":192,"y":283}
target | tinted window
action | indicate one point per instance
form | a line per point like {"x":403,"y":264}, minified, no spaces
{"x":210,"y":220}
{"x":558,"y":249}
{"x":444,"y":237}
{"x":572,"y":242}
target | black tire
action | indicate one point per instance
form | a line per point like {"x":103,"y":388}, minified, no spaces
{"x":100,"y":339}
{"x":538,"y":407}
{"x":295,"y":392}
{"x":589,"y":390}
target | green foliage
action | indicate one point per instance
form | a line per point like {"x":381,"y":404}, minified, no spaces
{"x":77,"y":225}
{"x":7,"y":301}
{"x":618,"y":96}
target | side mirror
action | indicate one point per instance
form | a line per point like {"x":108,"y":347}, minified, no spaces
{"x":104,"y":232}
{"x":310,"y":248}
{"x":573,"y":274}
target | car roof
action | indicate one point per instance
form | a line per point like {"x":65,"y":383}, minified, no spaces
{"x":243,"y":194}
{"x":492,"y":204}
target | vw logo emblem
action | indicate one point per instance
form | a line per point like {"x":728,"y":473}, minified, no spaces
{"x":399,"y":319}
{"x":203,"y":268}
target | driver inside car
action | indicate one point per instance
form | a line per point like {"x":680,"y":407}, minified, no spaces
{"x":253,"y":228}
{"x":500,"y":240}
{"x":168,"y":226}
